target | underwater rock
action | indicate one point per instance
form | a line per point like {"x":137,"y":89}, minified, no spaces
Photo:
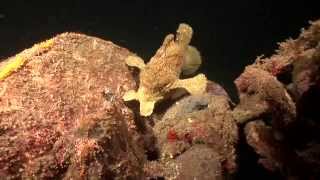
{"x":262,"y":94}
{"x":62,"y":114}
{"x":279,"y":95}
{"x":198,"y":162}
{"x":274,"y":154}
{"x":189,"y":104}
{"x":195,"y":120}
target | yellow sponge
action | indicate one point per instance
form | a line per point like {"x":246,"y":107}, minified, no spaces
{"x":18,"y":61}
{"x":12,"y":66}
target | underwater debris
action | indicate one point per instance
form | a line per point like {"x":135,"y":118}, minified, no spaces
{"x":161,"y":74}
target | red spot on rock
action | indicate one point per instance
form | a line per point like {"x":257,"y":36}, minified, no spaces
{"x":172,"y":135}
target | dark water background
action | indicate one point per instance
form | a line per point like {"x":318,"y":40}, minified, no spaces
{"x":229,"y":34}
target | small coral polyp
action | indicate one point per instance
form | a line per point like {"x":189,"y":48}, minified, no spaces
{"x":161,"y":74}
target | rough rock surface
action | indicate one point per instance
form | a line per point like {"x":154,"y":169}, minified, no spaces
{"x":279,"y":94}
{"x":61,"y":114}
{"x":198,"y":162}
{"x":193,"y":121}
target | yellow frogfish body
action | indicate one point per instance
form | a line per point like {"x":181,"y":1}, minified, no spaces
{"x":161,"y":74}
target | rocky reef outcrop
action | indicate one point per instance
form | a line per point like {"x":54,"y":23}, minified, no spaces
{"x":63,"y":116}
{"x":61,"y":113}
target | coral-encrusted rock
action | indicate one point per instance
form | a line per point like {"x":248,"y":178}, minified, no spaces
{"x":194,"y":120}
{"x":61,"y":113}
{"x":198,"y":162}
{"x":195,"y":103}
{"x":285,"y":89}
{"x":274,"y":154}
{"x":261,"y":93}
